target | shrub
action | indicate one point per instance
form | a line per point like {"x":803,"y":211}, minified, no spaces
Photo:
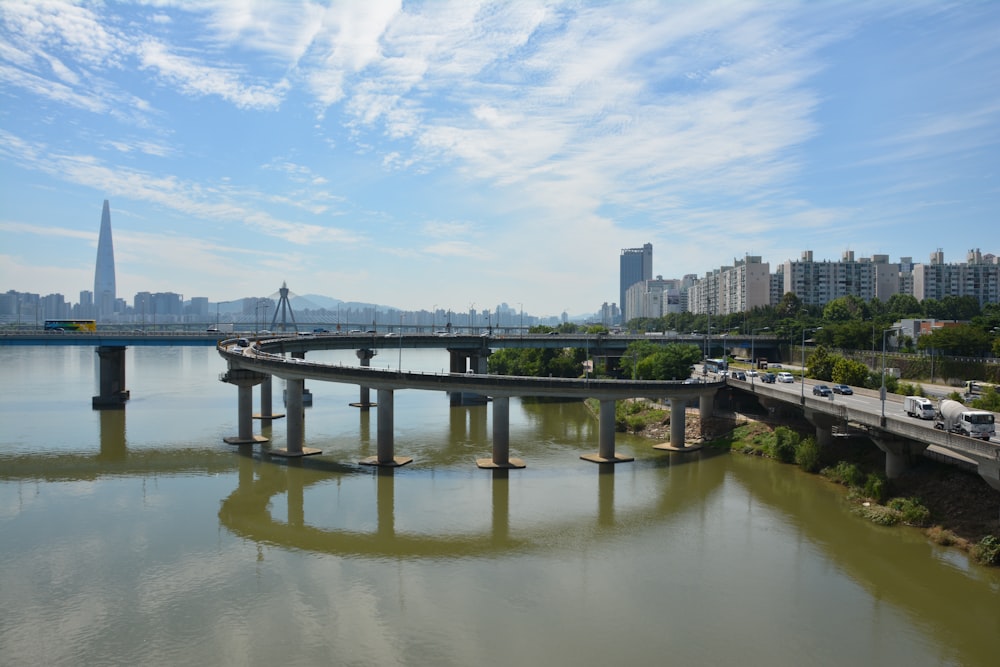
{"x":944,"y":537}
{"x":807,"y":455}
{"x":846,"y":473}
{"x":875,"y":487}
{"x":987,"y":551}
{"x":785,"y":441}
{"x":911,"y":511}
{"x":880,"y":514}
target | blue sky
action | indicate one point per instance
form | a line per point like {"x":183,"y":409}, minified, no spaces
{"x":463,"y":153}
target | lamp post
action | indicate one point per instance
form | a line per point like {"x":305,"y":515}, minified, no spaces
{"x":882,"y":390}
{"x":802,"y":377}
{"x":753,"y":356}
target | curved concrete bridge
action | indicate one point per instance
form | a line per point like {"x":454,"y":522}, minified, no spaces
{"x":256,"y":364}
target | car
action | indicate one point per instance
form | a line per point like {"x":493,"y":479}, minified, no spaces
{"x":776,"y":366}
{"x":822,"y":390}
{"x":769,"y":378}
{"x":842,"y":389}
{"x":739,"y":375}
{"x":321,"y":330}
{"x":785,"y":377}
{"x":752,"y":373}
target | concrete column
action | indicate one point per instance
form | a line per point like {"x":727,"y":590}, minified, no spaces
{"x":501,"y":437}
{"x":384,"y":434}
{"x":678,"y":425}
{"x":364,"y":358}
{"x":244,"y":420}
{"x":824,"y":435}
{"x":478,"y":364}
{"x":267,"y":401}
{"x":295,"y":426}
{"x":244,"y":381}
{"x":899,"y":452}
{"x":606,"y":436}
{"x":705,"y":402}
{"x":111,"y":380}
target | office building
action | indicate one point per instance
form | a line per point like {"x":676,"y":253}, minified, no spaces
{"x":635,"y":266}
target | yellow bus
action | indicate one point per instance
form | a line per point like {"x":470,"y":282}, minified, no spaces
{"x":82,"y":326}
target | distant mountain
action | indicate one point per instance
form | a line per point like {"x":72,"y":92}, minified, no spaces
{"x":317,"y":301}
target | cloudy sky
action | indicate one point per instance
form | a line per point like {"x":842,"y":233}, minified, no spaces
{"x":448,"y":154}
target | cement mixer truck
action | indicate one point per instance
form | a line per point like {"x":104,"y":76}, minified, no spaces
{"x":956,"y":418}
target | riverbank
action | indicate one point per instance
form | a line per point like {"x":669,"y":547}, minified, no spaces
{"x":962,"y":507}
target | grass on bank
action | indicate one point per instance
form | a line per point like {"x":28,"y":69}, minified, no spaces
{"x":869,"y":492}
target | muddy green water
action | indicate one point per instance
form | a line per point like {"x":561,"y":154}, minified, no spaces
{"x":139,"y":537}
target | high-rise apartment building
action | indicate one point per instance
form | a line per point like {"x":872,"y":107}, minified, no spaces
{"x":636,"y":265}
{"x":818,"y":283}
{"x":979,"y":277}
{"x":105,"y":294}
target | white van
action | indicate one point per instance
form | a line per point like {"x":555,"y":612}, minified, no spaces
{"x":918,"y":406}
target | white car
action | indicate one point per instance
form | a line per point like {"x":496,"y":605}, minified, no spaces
{"x":785,"y":377}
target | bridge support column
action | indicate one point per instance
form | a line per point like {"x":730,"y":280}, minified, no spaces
{"x":606,"y":437}
{"x":678,"y":427}
{"x":824,"y":424}
{"x":501,"y":437}
{"x":705,"y":403}
{"x":244,"y":381}
{"x":365,"y":358}
{"x":384,"y":437}
{"x":111,"y":382}
{"x":266,"y":400}
{"x":295,"y":426}
{"x":899,"y":452}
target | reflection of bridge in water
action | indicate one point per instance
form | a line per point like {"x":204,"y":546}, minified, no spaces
{"x":248,"y":510}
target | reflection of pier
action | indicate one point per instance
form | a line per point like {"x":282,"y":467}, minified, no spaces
{"x":261,"y":485}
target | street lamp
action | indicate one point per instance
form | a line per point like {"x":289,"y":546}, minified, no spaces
{"x":753,"y":356}
{"x":882,"y":391}
{"x":802,"y":376}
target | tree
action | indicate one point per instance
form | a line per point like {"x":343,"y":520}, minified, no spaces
{"x":670,"y":362}
{"x":901,"y":306}
{"x":848,"y":371}
{"x":789,"y":306}
{"x":964,"y":340}
{"x":820,"y":364}
{"x":845,"y":309}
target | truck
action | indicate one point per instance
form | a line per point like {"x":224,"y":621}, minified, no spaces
{"x":919,"y":407}
{"x":955,"y":417}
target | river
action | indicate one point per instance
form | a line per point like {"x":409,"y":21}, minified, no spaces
{"x":139,"y":537}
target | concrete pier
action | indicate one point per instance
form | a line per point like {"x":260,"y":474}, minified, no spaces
{"x":678,"y":427}
{"x":295,"y":433}
{"x":384,"y":435}
{"x":111,"y":383}
{"x":244,"y":381}
{"x":365,"y":359}
{"x":266,"y":400}
{"x":606,"y":436}
{"x":501,"y":437}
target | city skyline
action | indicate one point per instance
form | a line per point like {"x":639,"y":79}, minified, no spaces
{"x":487,"y":154}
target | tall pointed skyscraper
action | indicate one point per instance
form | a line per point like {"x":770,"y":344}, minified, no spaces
{"x":104,"y":275}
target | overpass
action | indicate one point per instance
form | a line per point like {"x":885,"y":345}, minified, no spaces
{"x":901,"y":437}
{"x":110,"y":346}
{"x":256,"y":364}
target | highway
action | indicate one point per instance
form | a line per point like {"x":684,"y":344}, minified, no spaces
{"x":863,"y":400}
